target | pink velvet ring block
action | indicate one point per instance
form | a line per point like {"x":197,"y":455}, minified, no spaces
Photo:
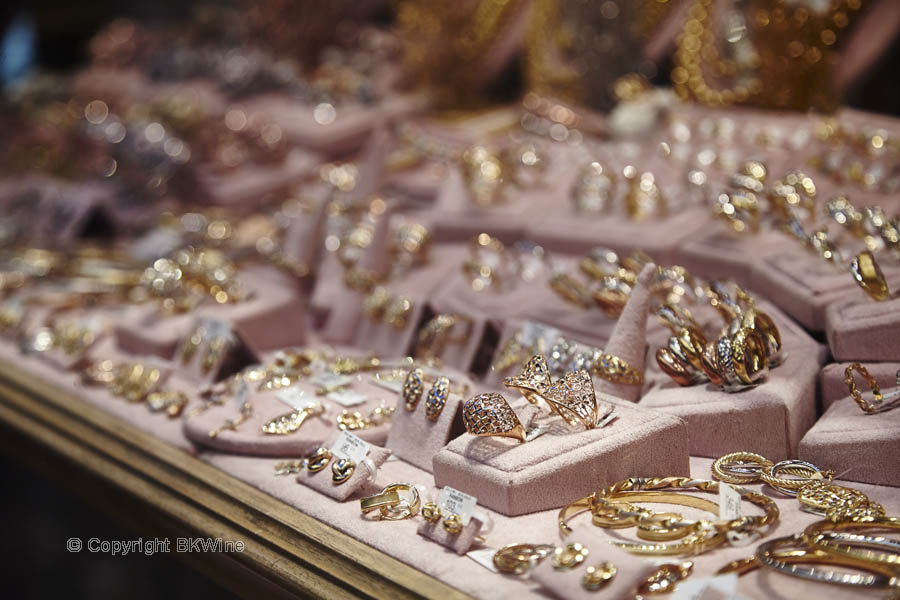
{"x":564,"y":463}
{"x":857,"y":446}
{"x":248,"y":438}
{"x":256,"y":184}
{"x":273,"y":317}
{"x":805,"y":286}
{"x":416,"y":439}
{"x":566,"y":584}
{"x":769,"y":419}
{"x":458,"y":542}
{"x":719,"y":252}
{"x":861,"y":329}
{"x":360,"y":480}
{"x":832,"y":386}
{"x":145,"y":330}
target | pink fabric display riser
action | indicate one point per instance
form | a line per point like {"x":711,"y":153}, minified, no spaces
{"x":415,"y":438}
{"x":807,"y":288}
{"x":254,"y":184}
{"x":865,"y":330}
{"x":516,"y":478}
{"x":250,"y":440}
{"x":832,"y":386}
{"x":769,"y":419}
{"x":658,"y":237}
{"x":272,"y":317}
{"x":856,"y":446}
{"x":724,"y":254}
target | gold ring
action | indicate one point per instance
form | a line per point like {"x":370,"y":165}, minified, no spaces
{"x":868,"y":275}
{"x":748,"y":356}
{"x":614,"y":369}
{"x":573,"y":398}
{"x":534,"y":380}
{"x":491,"y":415}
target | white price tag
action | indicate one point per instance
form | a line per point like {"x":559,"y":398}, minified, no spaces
{"x":533,"y":332}
{"x":720,"y":587}
{"x":347,"y":397}
{"x":484,"y":557}
{"x":329,"y":380}
{"x":292,"y":396}
{"x":350,"y":446}
{"x":458,"y":502}
{"x":393,"y":385}
{"x":240,"y":397}
{"x":216,"y":328}
{"x":729,"y":502}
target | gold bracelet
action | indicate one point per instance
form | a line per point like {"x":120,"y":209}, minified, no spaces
{"x":696,"y":536}
{"x":739,"y":467}
{"x":822,"y":536}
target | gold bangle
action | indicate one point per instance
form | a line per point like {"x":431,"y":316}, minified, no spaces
{"x":804,"y":473}
{"x":818,"y":536}
{"x":706,"y":535}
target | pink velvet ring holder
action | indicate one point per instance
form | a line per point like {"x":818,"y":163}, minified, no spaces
{"x":249,"y":439}
{"x":861,"y":329}
{"x":722,"y":253}
{"x":385,"y":337}
{"x":806,"y":286}
{"x":769,"y":419}
{"x":361,"y":479}
{"x":414,"y":437}
{"x":858,"y":446}
{"x":516,"y":478}
{"x":273,"y":316}
{"x":566,"y":584}
{"x":458,"y":542}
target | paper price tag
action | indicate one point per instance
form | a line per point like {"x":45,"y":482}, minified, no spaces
{"x":729,"y":503}
{"x":484,"y":557}
{"x":454,"y":501}
{"x":720,"y":587}
{"x":347,"y":397}
{"x":327,"y":379}
{"x":216,"y":327}
{"x":292,"y":396}
{"x":533,"y":332}
{"x":393,"y":385}
{"x":350,"y":446}
{"x":240,"y":397}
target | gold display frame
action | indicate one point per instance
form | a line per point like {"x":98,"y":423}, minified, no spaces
{"x":162,"y":491}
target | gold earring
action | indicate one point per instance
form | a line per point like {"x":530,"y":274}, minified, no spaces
{"x":431,"y":512}
{"x":453,"y":524}
{"x":318,"y":460}
{"x":341,"y":470}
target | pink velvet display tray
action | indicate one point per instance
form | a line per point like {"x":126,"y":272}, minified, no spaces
{"x":856,"y":446}
{"x":515,"y":478}
{"x":861,"y":329}
{"x":769,"y":419}
{"x":398,"y":539}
